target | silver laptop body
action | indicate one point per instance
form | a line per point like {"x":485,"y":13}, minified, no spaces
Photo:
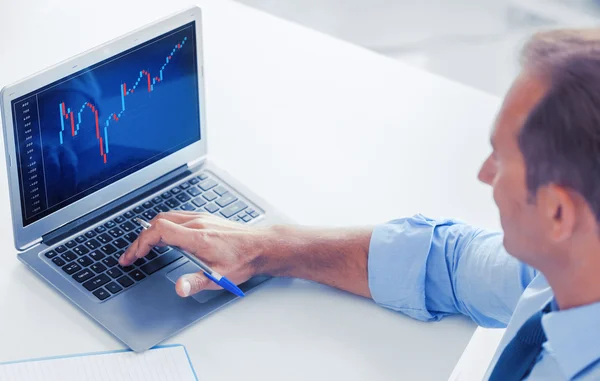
{"x":111,"y":134}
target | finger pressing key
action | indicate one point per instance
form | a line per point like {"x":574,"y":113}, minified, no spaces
{"x":162,"y":232}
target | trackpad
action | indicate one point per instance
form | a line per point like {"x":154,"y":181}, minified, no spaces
{"x":189,"y":268}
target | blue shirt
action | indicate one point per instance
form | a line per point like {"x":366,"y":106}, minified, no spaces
{"x":428,"y":269}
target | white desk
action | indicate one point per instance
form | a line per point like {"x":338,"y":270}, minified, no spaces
{"x":344,"y":136}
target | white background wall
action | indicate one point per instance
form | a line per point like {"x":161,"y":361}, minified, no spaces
{"x":472,"y":41}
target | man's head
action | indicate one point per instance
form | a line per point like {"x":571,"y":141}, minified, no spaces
{"x":545,"y":164}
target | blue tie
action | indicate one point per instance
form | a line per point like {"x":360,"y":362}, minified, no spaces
{"x":518,"y":358}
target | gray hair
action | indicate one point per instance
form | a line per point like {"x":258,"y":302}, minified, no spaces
{"x":560,"y":140}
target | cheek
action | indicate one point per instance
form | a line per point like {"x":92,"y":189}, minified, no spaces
{"x":507,"y":201}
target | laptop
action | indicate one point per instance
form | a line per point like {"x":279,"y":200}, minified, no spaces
{"x":113,"y":134}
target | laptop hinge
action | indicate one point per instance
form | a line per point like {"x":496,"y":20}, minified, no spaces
{"x":30,"y":244}
{"x":196,"y":162}
{"x":107,"y":210}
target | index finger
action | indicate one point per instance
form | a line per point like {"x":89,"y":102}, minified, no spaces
{"x":162,"y":231}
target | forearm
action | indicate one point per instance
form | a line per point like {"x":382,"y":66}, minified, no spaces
{"x":421,"y":267}
{"x":336,"y":257}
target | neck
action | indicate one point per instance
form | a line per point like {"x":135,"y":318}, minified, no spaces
{"x":576,"y":280}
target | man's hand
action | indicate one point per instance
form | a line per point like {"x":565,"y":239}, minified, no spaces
{"x":337,"y":257}
{"x":232,"y":249}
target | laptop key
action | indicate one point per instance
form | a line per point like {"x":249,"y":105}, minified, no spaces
{"x":172,"y":203}
{"x":149,"y":214}
{"x":81,"y":250}
{"x":246,"y":218}
{"x":131,"y":237}
{"x":147,"y":205}
{"x":138,"y":209}
{"x":71,"y":268}
{"x":101,"y":294}
{"x":151,"y":255}
{"x":210,"y":195}
{"x":226,"y":200}
{"x":203,"y":176}
{"x":161,"y":249}
{"x":137,"y":275}
{"x":184,"y":186}
{"x":193,"y":191}
{"x":96,"y":255}
{"x":116,"y":232}
{"x":139,"y":262}
{"x":161,"y":208}
{"x":59,"y":262}
{"x":166,"y":195}
{"x":108,"y":249}
{"x":90,"y":234}
{"x":161,"y":262}
{"x":96,"y":282}
{"x":80,"y":239}
{"x":183,"y":197}
{"x":126,"y":268}
{"x":119,"y":220}
{"x":208,"y":184}
{"x":234,"y":209}
{"x":92,"y":244}
{"x":220,"y":190}
{"x":211,"y":208}
{"x":83,"y":275}
{"x":85,"y":261}
{"x":60,"y":249}
{"x":104,"y":238}
{"x":128,"y":214}
{"x":51,"y":254}
{"x":110,"y":224}
{"x":157,"y":200}
{"x":113,"y":288}
{"x":125,"y":281}
{"x":68,"y":256}
{"x":194,"y":181}
{"x":187,"y":206}
{"x":114,"y":273}
{"x":120,"y":243}
{"x":175,"y":191}
{"x":110,"y":262}
{"x":98,"y":268}
{"x":199,"y":201}
{"x":254,"y":214}
{"x":71,"y":244}
{"x":127,"y":227}
{"x":100,"y":229}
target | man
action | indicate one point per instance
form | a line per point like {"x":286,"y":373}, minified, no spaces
{"x":541,"y":277}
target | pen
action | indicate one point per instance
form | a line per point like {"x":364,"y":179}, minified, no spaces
{"x":210,"y":273}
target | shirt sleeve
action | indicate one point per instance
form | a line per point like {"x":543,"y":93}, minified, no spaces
{"x":428,"y":269}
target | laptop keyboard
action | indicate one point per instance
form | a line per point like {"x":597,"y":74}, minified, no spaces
{"x":91,"y":259}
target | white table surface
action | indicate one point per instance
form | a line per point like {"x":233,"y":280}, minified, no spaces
{"x":344,"y":137}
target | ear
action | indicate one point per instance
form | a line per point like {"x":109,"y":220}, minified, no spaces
{"x":558,"y":209}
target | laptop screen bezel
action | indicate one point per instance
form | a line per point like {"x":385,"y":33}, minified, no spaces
{"x":25,"y":236}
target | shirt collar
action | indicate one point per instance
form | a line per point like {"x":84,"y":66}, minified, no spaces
{"x":574,"y":336}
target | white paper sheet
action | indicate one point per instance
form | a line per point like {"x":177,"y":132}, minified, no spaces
{"x":159,"y":364}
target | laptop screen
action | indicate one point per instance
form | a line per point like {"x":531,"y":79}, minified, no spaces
{"x":83,"y":132}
